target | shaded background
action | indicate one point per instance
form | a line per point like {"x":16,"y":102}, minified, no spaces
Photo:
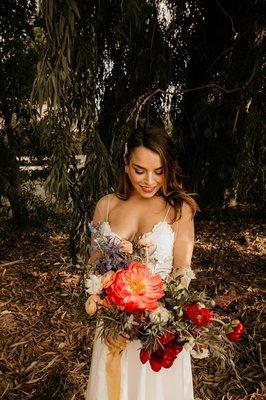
{"x":75,"y":78}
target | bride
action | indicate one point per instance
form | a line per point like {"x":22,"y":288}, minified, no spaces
{"x":150,"y":203}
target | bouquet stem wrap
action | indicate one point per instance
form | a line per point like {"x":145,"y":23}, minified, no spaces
{"x":113,"y":367}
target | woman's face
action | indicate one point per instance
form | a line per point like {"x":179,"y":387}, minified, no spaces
{"x":145,"y":171}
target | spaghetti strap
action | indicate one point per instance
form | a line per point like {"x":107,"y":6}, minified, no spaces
{"x":108,"y":206}
{"x":167,"y":213}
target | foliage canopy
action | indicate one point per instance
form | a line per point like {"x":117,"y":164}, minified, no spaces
{"x":194,"y":67}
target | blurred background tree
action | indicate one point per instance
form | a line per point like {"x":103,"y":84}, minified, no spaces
{"x":18,"y":58}
{"x":223,"y":124}
{"x":194,"y":67}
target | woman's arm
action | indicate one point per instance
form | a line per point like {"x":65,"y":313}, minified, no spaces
{"x":100,"y":210}
{"x":99,"y":215}
{"x":183,"y":243}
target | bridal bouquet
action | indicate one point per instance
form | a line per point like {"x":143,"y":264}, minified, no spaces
{"x":128,"y":299}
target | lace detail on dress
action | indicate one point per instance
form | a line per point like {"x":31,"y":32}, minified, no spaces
{"x":162,"y":235}
{"x":161,"y":261}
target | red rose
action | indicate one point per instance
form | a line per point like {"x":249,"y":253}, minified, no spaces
{"x":238,"y":331}
{"x":199,"y":315}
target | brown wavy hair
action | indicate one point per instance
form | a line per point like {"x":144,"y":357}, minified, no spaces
{"x":158,"y":140}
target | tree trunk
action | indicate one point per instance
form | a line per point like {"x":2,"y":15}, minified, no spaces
{"x":17,"y":204}
{"x":9,"y":169}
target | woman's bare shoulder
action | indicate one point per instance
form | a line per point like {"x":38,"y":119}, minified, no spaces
{"x":186,"y":211}
{"x":108,"y":198}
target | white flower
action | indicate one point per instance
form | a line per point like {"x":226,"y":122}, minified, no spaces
{"x":129,"y":323}
{"x":188,"y":273}
{"x":190,"y":344}
{"x":160,"y":315}
{"x":93,"y":284}
{"x":201,"y":305}
{"x":200,"y":354}
{"x":105,"y":228}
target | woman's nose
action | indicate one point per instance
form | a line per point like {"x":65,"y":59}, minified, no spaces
{"x":149,"y":179}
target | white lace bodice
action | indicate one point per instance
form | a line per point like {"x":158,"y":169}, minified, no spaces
{"x":160,"y":255}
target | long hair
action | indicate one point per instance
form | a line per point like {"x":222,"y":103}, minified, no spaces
{"x":157,"y":140}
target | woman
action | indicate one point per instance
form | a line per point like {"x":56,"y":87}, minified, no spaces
{"x":150,"y":204}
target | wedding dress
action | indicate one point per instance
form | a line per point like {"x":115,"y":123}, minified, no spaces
{"x":139,"y":381}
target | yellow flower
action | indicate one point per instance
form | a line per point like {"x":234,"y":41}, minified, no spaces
{"x":91,"y":304}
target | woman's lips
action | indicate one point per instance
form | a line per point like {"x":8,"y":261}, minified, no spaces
{"x":148,"y":189}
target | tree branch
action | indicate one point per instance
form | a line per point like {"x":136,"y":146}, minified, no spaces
{"x":142,"y":100}
{"x":228,"y":15}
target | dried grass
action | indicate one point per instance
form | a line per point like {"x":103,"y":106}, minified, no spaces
{"x":46,"y":340}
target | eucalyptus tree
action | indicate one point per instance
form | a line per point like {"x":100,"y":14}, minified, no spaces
{"x":17,"y":67}
{"x":93,"y":68}
{"x":222,"y":123}
{"x":110,"y":65}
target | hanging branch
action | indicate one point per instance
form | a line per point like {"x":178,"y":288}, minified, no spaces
{"x":142,"y":100}
{"x":229,"y":16}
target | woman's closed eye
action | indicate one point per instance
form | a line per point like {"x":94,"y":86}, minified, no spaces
{"x":142,"y":172}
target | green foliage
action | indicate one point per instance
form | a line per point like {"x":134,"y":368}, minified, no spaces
{"x":111,"y":65}
{"x":53,"y":71}
{"x":106,"y":66}
{"x":216,"y":126}
{"x":18,"y":57}
{"x":43,"y":213}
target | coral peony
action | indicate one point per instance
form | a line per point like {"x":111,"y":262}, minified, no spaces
{"x":198,"y":314}
{"x":135,"y":289}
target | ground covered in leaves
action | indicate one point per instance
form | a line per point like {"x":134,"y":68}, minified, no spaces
{"x":46,"y":339}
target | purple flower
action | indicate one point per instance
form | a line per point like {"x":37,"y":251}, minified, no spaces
{"x":111,"y":256}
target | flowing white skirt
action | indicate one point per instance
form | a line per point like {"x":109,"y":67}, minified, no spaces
{"x":138,"y":381}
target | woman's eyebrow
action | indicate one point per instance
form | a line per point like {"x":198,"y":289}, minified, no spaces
{"x":139,"y":166}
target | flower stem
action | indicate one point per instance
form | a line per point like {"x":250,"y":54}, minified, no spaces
{"x":219,"y":321}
